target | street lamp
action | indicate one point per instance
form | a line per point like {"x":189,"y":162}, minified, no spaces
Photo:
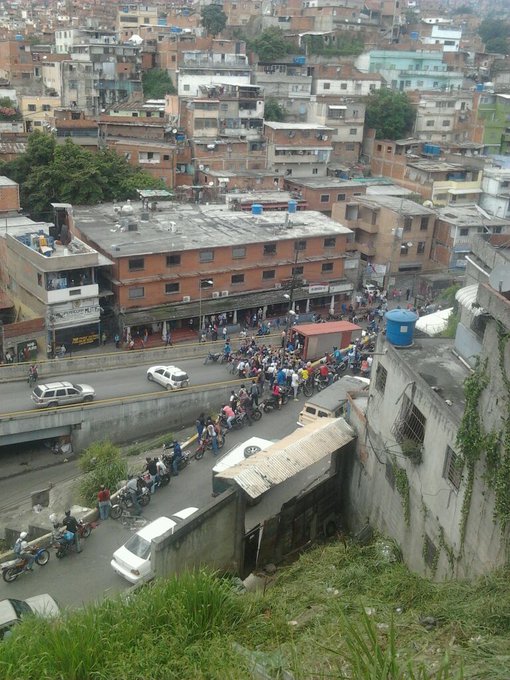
{"x":204,"y":283}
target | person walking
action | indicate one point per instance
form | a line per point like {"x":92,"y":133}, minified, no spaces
{"x":103,"y":502}
{"x":103,"y":338}
{"x":254,"y":393}
{"x":117,"y":340}
{"x":176,"y":458}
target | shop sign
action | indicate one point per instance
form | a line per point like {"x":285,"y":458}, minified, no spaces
{"x":31,"y":348}
{"x":85,"y":339}
{"x":340,"y":288}
{"x":318,"y":289}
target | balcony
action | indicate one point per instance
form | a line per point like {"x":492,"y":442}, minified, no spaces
{"x":365,"y":226}
{"x":75,"y":293}
{"x":366,"y":248}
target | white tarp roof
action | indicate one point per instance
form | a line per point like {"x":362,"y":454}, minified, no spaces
{"x":432,"y":324}
{"x":290,"y":455}
{"x":467,"y":296}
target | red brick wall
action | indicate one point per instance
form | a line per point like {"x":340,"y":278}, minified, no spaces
{"x":155,"y":273}
{"x":9,"y":198}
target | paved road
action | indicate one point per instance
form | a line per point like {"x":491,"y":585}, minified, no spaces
{"x":82,"y":578}
{"x":117,"y":382}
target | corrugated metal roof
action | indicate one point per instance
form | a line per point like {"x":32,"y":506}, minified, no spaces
{"x":301,"y":449}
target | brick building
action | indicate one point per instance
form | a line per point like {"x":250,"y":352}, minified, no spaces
{"x":182,"y":262}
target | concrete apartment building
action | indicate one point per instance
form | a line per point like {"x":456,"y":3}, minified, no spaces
{"x":343,"y":80}
{"x":445,"y":118}
{"x":16,"y":63}
{"x":181,"y":262}
{"x":495,"y":196}
{"x":289,"y":82}
{"x":346,"y":119}
{"x":199,"y":68}
{"x":50,"y":275}
{"x":38,"y":111}
{"x":455,"y":230}
{"x":298,"y":149}
{"x":393,"y":234}
{"x":408,"y":71}
{"x":97,"y":76}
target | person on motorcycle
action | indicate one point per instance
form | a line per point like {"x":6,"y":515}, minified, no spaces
{"x":176,"y":459}
{"x":71,"y":524}
{"x":324,"y":372}
{"x":152,"y":469}
{"x":337,"y":355}
{"x":229,"y":414}
{"x":21,"y":550}
{"x":33,"y":374}
{"x":132,"y":489}
{"x":227,"y":349}
{"x":276,"y":395}
{"x":162,"y":469}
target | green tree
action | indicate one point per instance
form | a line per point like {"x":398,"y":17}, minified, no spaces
{"x":494,"y":34}
{"x":270,"y":45}
{"x":273,"y":110}
{"x":157,"y":83}
{"x":390,"y":113}
{"x":48,"y":172}
{"x":102,"y":463}
{"x":213,"y":19}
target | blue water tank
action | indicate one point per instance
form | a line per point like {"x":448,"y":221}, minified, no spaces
{"x":299,"y":60}
{"x":479,"y":87}
{"x":292,"y":206}
{"x":434,"y":150}
{"x":257,"y":209}
{"x":400,"y":327}
{"x":414,"y":35}
{"x":18,"y":36}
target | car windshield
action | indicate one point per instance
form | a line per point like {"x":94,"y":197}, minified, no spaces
{"x":20,"y":607}
{"x":181,"y":377}
{"x":78,"y":387}
{"x":37,"y":391}
{"x":139,"y":547}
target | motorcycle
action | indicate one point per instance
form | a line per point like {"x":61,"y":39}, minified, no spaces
{"x":274,"y":403}
{"x":63,"y":545}
{"x":125,"y":502}
{"x":206,"y":443}
{"x":168,"y":459}
{"x":13,"y":568}
{"x":212,"y":358}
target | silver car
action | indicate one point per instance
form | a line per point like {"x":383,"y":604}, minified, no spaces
{"x":61,"y":394}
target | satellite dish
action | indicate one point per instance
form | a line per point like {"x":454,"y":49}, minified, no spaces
{"x":211,"y":184}
{"x":201,"y":167}
{"x":174,"y":131}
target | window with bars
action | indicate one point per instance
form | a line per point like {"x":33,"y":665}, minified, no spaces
{"x":380,"y":378}
{"x":453,"y":467}
{"x":410,"y":424}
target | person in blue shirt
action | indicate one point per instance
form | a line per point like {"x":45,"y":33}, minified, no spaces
{"x":227,"y":349}
{"x":337,"y":355}
{"x":281,"y":377}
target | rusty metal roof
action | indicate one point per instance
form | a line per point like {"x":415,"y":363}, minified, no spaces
{"x":301,"y":449}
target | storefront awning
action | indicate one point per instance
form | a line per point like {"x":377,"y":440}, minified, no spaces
{"x":293,"y":454}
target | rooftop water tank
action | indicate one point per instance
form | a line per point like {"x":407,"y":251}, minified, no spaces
{"x":257,"y":209}
{"x":292,"y":206}
{"x":400,"y":327}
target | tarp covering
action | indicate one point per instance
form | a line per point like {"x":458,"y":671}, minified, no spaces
{"x":296,"y":452}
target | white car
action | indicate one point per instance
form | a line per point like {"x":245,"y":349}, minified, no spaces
{"x":12,"y":610}
{"x":132,"y":561}
{"x":170,"y":377}
{"x":370,"y":289}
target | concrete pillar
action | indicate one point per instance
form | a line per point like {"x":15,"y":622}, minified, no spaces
{"x":234,"y":317}
{"x":332,"y":305}
{"x":307,"y":305}
{"x":264,"y":311}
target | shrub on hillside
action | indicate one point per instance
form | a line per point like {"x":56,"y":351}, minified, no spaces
{"x":102,"y":464}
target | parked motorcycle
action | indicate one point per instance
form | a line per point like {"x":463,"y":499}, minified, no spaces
{"x":85,"y":528}
{"x":64,"y":546}
{"x":125,"y":502}
{"x":212,"y":358}
{"x":13,"y":568}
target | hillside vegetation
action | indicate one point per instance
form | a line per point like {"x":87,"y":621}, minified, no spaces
{"x":340,"y":611}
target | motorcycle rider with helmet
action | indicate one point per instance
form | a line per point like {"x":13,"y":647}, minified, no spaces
{"x":21,"y":551}
{"x":71,"y":524}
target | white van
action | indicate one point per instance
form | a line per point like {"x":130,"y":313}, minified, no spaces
{"x":330,"y":403}
{"x":235,"y":456}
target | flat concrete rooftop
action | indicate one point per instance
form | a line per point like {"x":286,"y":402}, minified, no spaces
{"x":433,"y":360}
{"x":178,"y":227}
